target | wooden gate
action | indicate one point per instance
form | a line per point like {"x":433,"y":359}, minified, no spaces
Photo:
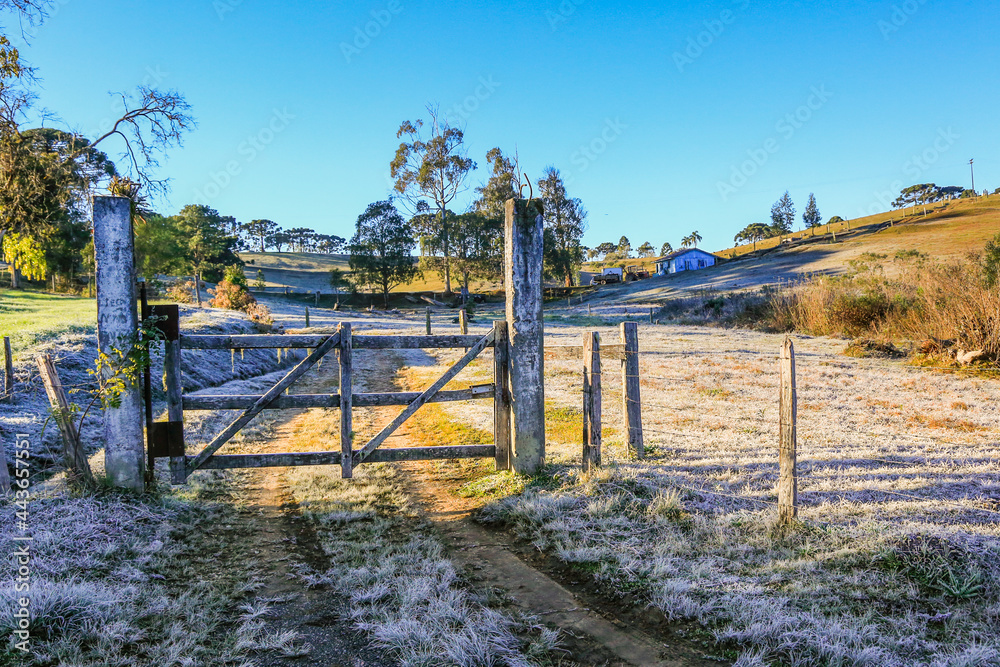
{"x":166,"y":439}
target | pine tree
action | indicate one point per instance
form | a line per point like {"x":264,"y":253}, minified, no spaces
{"x":811,"y":216}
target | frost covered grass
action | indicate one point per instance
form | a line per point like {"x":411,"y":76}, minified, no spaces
{"x":403,"y":590}
{"x":895,"y":558}
{"x":120,"y":580}
{"x":75,"y":351}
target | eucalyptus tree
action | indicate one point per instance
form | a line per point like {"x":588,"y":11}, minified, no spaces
{"x":565,"y":223}
{"x":380,"y":249}
{"x":432,"y":169}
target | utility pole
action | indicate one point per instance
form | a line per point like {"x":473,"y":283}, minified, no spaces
{"x":973,"y":170}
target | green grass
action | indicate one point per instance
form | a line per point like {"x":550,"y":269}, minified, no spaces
{"x":31,"y":317}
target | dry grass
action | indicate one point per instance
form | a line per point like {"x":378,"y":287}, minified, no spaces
{"x":692,"y":529}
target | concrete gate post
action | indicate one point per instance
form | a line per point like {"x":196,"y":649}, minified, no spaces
{"x":523,"y":283}
{"x":117,"y":323}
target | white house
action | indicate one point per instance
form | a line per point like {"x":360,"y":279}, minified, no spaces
{"x":688,"y":259}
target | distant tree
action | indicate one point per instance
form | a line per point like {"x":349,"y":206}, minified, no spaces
{"x":432,"y":170}
{"x":783,"y":215}
{"x":605,"y":249}
{"x":966,"y":194}
{"x":991,"y":262}
{"x":499,"y":187}
{"x":646,"y":250}
{"x":624,"y":249}
{"x":260,"y":284}
{"x":299,"y":237}
{"x":666,"y":249}
{"x":565,"y":223}
{"x":258,"y":231}
{"x":752,"y":233}
{"x":834,"y":220}
{"x":208,"y":246}
{"x":811,"y":216}
{"x":160,"y":245}
{"x":477,"y":244}
{"x":692,"y":239}
{"x":951,"y":192}
{"x":278,"y":239}
{"x":380,"y":248}
{"x":338,"y":281}
{"x":920,"y":194}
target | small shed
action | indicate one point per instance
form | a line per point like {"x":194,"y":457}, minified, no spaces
{"x":688,"y":259}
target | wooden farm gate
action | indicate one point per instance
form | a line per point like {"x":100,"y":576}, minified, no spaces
{"x":166,"y":439}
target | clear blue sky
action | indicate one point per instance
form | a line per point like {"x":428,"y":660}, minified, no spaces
{"x":664,"y":117}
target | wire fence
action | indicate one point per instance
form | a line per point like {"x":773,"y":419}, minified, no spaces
{"x":842,"y":449}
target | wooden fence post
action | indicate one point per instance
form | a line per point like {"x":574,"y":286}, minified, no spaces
{"x":307,"y":317}
{"x":591,"y":401}
{"x":8,"y":370}
{"x":117,"y":323}
{"x":428,"y":310}
{"x":346,"y":400}
{"x":174,"y":387}
{"x":787,"y":478}
{"x":463,"y":321}
{"x":631,"y":403}
{"x":523,"y":284}
{"x":4,"y":474}
{"x":74,"y":458}
{"x":316,"y":304}
{"x":501,"y":395}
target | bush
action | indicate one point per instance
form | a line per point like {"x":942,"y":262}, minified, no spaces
{"x":181,"y":292}
{"x":231,"y":296}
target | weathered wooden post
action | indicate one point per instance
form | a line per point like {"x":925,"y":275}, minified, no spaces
{"x":174,"y":389}
{"x":632,"y":405}
{"x":501,"y":395}
{"x":74,"y":458}
{"x":307,"y":317}
{"x":316,"y":304}
{"x":523,"y":283}
{"x":117,"y":325}
{"x":463,"y":321}
{"x":346,"y":401}
{"x":787,"y":479}
{"x":428,"y":320}
{"x":8,"y":370}
{"x":591,"y":401}
{"x":651,"y":309}
{"x":588,"y":310}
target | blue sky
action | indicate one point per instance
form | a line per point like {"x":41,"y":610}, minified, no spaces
{"x":663,"y":117}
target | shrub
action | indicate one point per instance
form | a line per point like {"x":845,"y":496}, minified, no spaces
{"x":181,"y":292}
{"x":259,"y":313}
{"x":231,"y":296}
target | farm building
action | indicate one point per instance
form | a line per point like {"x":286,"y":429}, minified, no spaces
{"x":689,"y":259}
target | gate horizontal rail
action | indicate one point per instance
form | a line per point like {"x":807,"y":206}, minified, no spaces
{"x":288,"y":341}
{"x":291,"y":401}
{"x":381,"y":455}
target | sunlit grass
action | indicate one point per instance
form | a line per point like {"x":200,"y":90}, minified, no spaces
{"x":30,"y":317}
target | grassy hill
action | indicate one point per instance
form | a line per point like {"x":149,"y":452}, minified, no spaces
{"x":311,"y":272}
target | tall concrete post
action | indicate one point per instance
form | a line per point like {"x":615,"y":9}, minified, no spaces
{"x":117,"y":322}
{"x":523,"y":282}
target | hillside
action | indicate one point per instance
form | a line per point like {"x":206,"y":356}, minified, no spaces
{"x":311,"y":272}
{"x":949,"y":230}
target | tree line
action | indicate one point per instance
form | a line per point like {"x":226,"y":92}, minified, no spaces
{"x":610,"y":252}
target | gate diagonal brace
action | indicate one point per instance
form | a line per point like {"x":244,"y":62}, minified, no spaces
{"x":263,"y":402}
{"x":424,"y":397}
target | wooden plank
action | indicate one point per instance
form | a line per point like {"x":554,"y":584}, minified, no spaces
{"x":298,"y":401}
{"x":575,"y":352}
{"x":74,"y":457}
{"x":272,"y":393}
{"x":591,"y":401}
{"x":252,"y":341}
{"x":788,"y":408}
{"x":8,"y":370}
{"x":501,"y":394}
{"x":425,"y":396}
{"x":173,"y":386}
{"x":225,"y":461}
{"x":346,"y":401}
{"x":631,"y":403}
